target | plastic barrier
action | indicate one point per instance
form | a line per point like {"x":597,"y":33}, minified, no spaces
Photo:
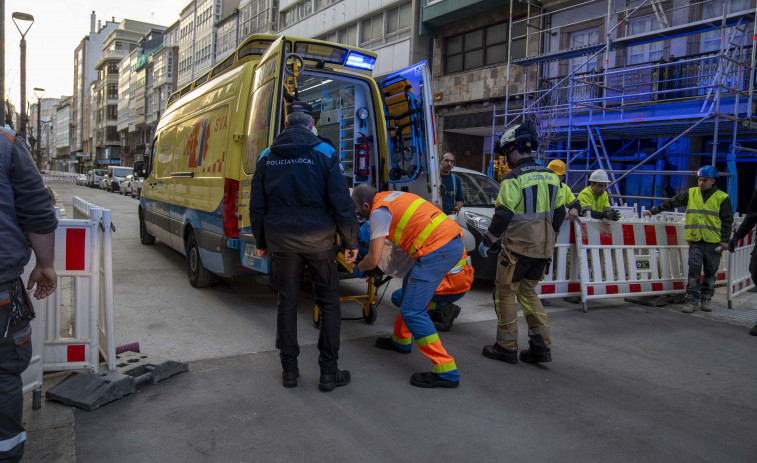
{"x":739,"y":277}
{"x":67,"y":177}
{"x":625,"y":258}
{"x":563,"y":278}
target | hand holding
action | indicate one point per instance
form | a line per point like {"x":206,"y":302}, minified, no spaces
{"x":732,"y":244}
{"x":483,"y":250}
{"x":262,"y":252}
{"x":350,"y":255}
{"x":647,"y":213}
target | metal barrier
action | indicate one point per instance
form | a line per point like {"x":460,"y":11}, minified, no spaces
{"x":739,"y":276}
{"x":625,"y":258}
{"x":563,"y":278}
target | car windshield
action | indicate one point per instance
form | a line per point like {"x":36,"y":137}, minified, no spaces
{"x":121,"y":171}
{"x":100,"y":171}
{"x":478,"y":189}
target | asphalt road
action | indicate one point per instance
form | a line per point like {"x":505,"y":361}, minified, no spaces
{"x":628,"y":382}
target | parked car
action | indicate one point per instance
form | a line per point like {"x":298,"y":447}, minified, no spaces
{"x":479,"y":194}
{"x":116,"y":175}
{"x":95,"y":176}
{"x":125,"y":187}
{"x":81,"y":179}
{"x":104,"y":182}
{"x":136,"y":187}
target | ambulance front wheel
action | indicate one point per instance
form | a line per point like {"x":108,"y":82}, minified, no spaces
{"x":370,"y":315}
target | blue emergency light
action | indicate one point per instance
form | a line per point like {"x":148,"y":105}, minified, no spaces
{"x":360,"y":61}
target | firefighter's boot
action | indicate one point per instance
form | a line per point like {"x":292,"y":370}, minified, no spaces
{"x":536,"y":354}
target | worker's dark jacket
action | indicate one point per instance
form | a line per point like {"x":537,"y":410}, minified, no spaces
{"x":299,"y":197}
{"x":750,"y":220}
{"x":25,"y":205}
{"x":682,"y":200}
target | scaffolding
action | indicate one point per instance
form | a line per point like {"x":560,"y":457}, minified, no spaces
{"x":602,"y":100}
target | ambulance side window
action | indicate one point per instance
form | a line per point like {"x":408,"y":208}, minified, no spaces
{"x":258,"y":127}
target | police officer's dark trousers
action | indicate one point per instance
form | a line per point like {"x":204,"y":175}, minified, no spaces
{"x":15,"y":353}
{"x":285,"y":273}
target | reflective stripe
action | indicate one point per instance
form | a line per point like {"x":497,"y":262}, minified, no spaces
{"x":507,"y":336}
{"x":698,"y":226}
{"x":265,"y":152}
{"x":703,"y":211}
{"x":532,"y":216}
{"x":427,"y":340}
{"x":459,"y":267}
{"x":444,"y":368}
{"x":325,"y":149}
{"x":543,"y":330}
{"x":426,"y":232}
{"x":405,"y":219}
{"x":9,"y":444}
{"x":398,"y":340}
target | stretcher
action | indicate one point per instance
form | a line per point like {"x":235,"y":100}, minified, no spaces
{"x":404,"y":121}
{"x":367,"y":302}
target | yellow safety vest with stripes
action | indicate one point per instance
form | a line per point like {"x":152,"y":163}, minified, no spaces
{"x":597,"y":203}
{"x":532,"y":196}
{"x":703,"y":218}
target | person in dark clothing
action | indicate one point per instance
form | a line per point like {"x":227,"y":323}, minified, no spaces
{"x":709,"y":222}
{"x":27,"y":219}
{"x":452,"y":193}
{"x":299,"y":201}
{"x":750,"y":220}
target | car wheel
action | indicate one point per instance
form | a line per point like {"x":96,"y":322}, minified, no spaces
{"x":144,"y":237}
{"x":199,"y":276}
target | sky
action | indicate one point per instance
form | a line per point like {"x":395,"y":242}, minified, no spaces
{"x":59,"y":26}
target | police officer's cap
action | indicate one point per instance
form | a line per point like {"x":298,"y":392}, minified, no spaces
{"x":299,"y":107}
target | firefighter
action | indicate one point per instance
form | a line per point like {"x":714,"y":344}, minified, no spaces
{"x":435,"y":244}
{"x":527,"y":217}
{"x":709,"y":221}
{"x":571,"y":202}
{"x":594,"y":200}
{"x":299,"y":200}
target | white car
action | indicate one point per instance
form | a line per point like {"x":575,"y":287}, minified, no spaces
{"x":136,"y":187}
{"x":125,"y":187}
{"x":81,"y":179}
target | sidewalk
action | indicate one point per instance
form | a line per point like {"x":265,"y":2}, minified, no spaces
{"x":628,"y":383}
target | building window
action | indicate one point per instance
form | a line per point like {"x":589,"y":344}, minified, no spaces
{"x":476,"y":48}
{"x":371,"y":31}
{"x":648,"y":52}
{"x":398,"y":22}
{"x":579,"y":39}
{"x":288,"y":17}
{"x":714,"y":9}
{"x":112,"y":68}
{"x":113,"y":91}
{"x":112,"y":112}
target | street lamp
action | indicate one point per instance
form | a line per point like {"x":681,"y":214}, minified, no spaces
{"x":23,"y":17}
{"x":39,"y":92}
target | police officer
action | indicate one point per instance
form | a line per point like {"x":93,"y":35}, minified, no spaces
{"x":594,"y":199}
{"x":529,"y":211}
{"x":299,"y":200}
{"x":750,"y":220}
{"x":709,"y":221}
{"x":27,"y":219}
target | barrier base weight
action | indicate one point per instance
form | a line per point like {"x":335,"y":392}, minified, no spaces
{"x":90,"y":392}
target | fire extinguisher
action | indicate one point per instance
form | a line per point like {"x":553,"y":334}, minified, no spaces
{"x":362,"y":156}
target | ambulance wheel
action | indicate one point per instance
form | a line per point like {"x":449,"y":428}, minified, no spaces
{"x":199,"y":276}
{"x":144,"y":237}
{"x":370,"y":317}
{"x":317,"y":317}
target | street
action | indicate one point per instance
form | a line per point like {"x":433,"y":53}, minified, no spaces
{"x":627,"y":383}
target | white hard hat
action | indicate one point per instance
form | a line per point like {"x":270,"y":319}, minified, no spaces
{"x":599,"y":176}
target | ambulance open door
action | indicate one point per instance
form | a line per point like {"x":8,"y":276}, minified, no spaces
{"x":409,"y":110}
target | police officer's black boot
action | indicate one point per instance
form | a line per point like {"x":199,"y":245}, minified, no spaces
{"x":497,"y":352}
{"x":535,"y":354}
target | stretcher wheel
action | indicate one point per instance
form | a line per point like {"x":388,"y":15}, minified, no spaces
{"x":317,"y":317}
{"x":370,"y":317}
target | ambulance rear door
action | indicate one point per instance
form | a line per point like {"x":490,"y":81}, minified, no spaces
{"x":413,"y":156}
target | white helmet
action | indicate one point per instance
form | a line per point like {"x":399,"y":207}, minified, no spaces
{"x":599,"y":176}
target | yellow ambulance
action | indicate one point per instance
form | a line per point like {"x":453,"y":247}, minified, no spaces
{"x":196,"y":192}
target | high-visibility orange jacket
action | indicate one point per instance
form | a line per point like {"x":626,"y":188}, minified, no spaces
{"x":418,"y":226}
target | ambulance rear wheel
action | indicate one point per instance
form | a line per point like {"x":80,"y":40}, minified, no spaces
{"x":144,"y":237}
{"x":199,"y":276}
{"x":370,"y":317}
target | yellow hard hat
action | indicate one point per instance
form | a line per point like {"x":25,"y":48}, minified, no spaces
{"x":557,"y":166}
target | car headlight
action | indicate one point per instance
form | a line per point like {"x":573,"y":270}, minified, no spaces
{"x":478,"y":221}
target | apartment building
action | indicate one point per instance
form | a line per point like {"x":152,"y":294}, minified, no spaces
{"x":41,"y":146}
{"x":62,"y":158}
{"x":227,"y":35}
{"x":164,"y":66}
{"x":86,"y":55}
{"x":119,"y":43}
{"x":257,"y":17}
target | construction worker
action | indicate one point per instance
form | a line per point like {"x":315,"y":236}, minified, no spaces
{"x":571,"y":203}
{"x":27,"y":219}
{"x":527,"y":217}
{"x":299,"y":200}
{"x":452,"y":188}
{"x":594,"y":200}
{"x":435,"y":243}
{"x":709,"y":221}
{"x":750,"y":220}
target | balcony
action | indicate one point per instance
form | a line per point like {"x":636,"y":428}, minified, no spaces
{"x":110,"y":55}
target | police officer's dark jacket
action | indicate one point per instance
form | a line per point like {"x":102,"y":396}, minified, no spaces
{"x":299,"y":197}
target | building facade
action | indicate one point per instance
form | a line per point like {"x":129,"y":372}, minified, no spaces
{"x":63,"y":159}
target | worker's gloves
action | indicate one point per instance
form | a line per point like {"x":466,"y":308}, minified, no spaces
{"x":612,"y":214}
{"x":585,"y":211}
{"x":358,"y":274}
{"x":483,"y":250}
{"x":489,"y":243}
{"x":732,"y":244}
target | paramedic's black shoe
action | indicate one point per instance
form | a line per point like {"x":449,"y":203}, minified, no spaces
{"x":497,"y":352}
{"x":388,"y":344}
{"x":289,"y":378}
{"x":753,"y":331}
{"x":430,"y":379}
{"x":444,"y":316}
{"x":329,"y":382}
{"x":535,"y":354}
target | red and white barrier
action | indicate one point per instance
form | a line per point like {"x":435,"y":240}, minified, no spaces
{"x":625,"y":258}
{"x":563,"y":278}
{"x":739,"y":277}
{"x":67,"y":177}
